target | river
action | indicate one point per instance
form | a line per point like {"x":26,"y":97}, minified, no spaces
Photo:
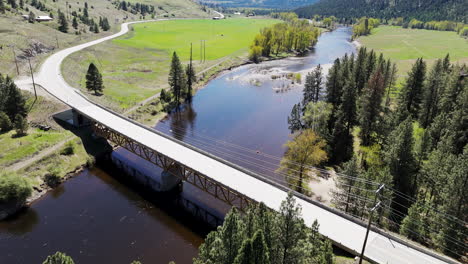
{"x":96,"y":218}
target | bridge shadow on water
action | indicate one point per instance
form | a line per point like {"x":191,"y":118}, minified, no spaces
{"x":185,"y":204}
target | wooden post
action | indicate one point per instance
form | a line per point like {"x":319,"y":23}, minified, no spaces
{"x":16,"y":60}
{"x":34,"y":84}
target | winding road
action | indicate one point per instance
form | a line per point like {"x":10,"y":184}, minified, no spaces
{"x":345,"y":232}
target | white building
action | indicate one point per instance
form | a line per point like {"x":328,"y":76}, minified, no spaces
{"x":43,"y":18}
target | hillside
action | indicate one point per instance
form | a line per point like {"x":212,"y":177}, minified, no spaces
{"x":424,"y":10}
{"x":280,"y":4}
{"x":37,"y":40}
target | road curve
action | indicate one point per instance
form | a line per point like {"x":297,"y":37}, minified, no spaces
{"x":343,"y":231}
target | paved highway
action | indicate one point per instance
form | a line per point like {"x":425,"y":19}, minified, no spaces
{"x":349,"y":234}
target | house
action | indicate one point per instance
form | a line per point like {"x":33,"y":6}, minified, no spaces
{"x":237,"y":13}
{"x":43,"y":18}
{"x":26,"y":17}
{"x":216,"y":18}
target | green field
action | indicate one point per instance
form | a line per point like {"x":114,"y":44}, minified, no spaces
{"x":222,"y":37}
{"x":404,"y":46}
{"x":136,"y":66}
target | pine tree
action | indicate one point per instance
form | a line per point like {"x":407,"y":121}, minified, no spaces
{"x":294,"y":119}
{"x":370,"y":105}
{"x":343,"y":197}
{"x":75,"y":23}
{"x":190,"y":76}
{"x":21,"y":125}
{"x":5,"y":123}
{"x":94,"y":79}
{"x":360,"y":70}
{"x":342,"y":139}
{"x":63,"y":24}
{"x":12,"y":101}
{"x":95,"y":28}
{"x":105,"y":24}
{"x":431,"y":95}
{"x":21,"y":4}
{"x":409,"y":101}
{"x":412,"y":225}
{"x":333,"y":84}
{"x":13,"y":4}
{"x":402,"y":165}
{"x":231,"y":235}
{"x":176,"y":79}
{"x":291,"y":230}
{"x":312,"y":86}
{"x":2,"y":7}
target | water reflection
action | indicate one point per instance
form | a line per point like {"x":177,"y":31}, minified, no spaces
{"x":21,"y":223}
{"x":249,"y":106}
{"x":101,"y":220}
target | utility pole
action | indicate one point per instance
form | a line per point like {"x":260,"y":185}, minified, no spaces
{"x":16,"y":60}
{"x":34,"y":84}
{"x":371,"y":213}
{"x":66,"y":8}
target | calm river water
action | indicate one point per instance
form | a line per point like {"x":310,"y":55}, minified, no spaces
{"x":97,"y":219}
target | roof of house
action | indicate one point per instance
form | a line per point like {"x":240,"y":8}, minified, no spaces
{"x":43,"y":18}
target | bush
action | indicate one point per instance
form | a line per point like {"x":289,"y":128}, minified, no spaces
{"x":58,"y":258}
{"x":69,"y":149}
{"x":21,"y":125}
{"x":5,"y":123}
{"x":14,"y":188}
{"x":90,"y":161}
{"x":53,"y":178}
{"x":255,"y":53}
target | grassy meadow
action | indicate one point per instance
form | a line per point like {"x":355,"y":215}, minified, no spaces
{"x":16,"y":31}
{"x":404,"y":46}
{"x":136,"y":65}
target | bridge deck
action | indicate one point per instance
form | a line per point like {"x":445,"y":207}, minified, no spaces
{"x":341,"y":230}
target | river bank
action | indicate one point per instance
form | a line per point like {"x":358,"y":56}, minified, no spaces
{"x":82,"y":214}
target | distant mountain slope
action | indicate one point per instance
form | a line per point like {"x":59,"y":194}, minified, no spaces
{"x":283,"y":4}
{"x":424,"y":10}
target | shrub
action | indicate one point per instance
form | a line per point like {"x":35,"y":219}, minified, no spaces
{"x":69,"y":149}
{"x":14,"y":188}
{"x":255,"y":53}
{"x":90,"y":161}
{"x":53,"y":178}
{"x":58,"y":258}
{"x":5,"y":123}
{"x":21,"y":125}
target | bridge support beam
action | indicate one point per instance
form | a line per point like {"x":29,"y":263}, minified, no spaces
{"x":176,"y":169}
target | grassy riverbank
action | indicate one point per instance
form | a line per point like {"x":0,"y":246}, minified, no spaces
{"x":404,"y":46}
{"x":39,"y":153}
{"x":136,"y":66}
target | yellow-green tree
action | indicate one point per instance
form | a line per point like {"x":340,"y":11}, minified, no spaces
{"x":304,"y":151}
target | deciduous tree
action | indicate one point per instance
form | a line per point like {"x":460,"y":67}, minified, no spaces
{"x":304,"y":151}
